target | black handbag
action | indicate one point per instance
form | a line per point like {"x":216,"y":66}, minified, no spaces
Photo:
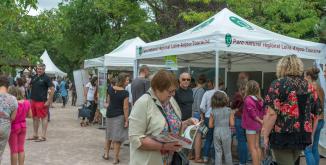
{"x":268,"y":159}
{"x":84,"y":112}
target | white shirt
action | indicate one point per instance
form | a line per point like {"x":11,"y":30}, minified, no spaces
{"x":91,"y":91}
{"x":205,"y":105}
{"x":128,"y":88}
{"x":55,"y":83}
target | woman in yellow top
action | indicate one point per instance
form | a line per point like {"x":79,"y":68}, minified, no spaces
{"x":146,"y":120}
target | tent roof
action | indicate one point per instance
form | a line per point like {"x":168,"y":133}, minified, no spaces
{"x":51,"y":68}
{"x":124,"y":55}
{"x":228,"y":32}
{"x":94,"y":62}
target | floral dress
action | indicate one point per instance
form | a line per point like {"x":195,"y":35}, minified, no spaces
{"x":175,"y":125}
{"x":8,"y":104}
{"x":295,"y":102}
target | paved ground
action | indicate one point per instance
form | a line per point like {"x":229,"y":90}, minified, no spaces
{"x":69,"y":144}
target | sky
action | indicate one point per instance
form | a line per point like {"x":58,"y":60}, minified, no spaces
{"x":44,"y":5}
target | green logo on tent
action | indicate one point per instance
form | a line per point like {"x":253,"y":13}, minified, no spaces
{"x":204,"y":24}
{"x":139,"y":51}
{"x":240,"y":23}
{"x":228,"y":39}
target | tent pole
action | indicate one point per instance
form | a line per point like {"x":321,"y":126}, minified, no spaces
{"x":136,"y":65}
{"x":216,"y":68}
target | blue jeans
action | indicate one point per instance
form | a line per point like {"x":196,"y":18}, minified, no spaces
{"x":209,"y":141}
{"x":311,"y":152}
{"x":196,"y":115}
{"x":242,"y":142}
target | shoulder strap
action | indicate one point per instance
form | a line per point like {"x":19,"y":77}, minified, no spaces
{"x":161,"y":110}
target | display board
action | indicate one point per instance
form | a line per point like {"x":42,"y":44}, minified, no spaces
{"x":81,"y":78}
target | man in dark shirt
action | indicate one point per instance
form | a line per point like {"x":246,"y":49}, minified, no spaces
{"x":141,"y":84}
{"x":184,"y":96}
{"x":40,"y":101}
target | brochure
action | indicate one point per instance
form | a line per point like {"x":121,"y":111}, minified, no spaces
{"x":186,"y":140}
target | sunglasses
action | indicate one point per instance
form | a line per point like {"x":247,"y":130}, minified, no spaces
{"x":185,"y":79}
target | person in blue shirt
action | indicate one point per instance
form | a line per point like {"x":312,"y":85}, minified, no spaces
{"x":64,"y":91}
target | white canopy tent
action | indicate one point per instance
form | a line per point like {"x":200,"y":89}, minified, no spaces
{"x":121,"y":58}
{"x":228,"y":41}
{"x":51,"y":68}
{"x":233,"y":42}
{"x":94,"y":62}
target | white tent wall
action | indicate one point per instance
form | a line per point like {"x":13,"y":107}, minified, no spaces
{"x":94,"y":62}
{"x":51,"y":68}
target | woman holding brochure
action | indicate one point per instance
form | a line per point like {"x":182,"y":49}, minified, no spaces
{"x":155,"y":113}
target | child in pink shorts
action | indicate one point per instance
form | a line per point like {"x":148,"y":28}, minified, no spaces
{"x":18,"y":127}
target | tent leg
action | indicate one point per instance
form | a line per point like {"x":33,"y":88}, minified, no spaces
{"x":216,"y":69}
{"x":102,"y":124}
{"x":136,"y":65}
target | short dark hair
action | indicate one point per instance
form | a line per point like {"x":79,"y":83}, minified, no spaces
{"x":122,"y":79}
{"x":201,"y":79}
{"x":163,"y":80}
{"x":41,"y":65}
{"x":20,"y":82}
{"x":4,"y":81}
{"x":219,"y":99}
{"x":93,"y":81}
{"x":143,"y":68}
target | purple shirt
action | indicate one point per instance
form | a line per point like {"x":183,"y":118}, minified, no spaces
{"x":252,"y":108}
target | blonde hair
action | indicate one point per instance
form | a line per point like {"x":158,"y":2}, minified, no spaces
{"x":252,"y":88}
{"x":289,"y":65}
{"x":15,"y":91}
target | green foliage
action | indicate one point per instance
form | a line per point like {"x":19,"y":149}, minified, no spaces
{"x":94,"y":28}
{"x":12,"y":20}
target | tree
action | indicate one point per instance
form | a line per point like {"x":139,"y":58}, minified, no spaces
{"x":12,"y":30}
{"x":93,"y":28}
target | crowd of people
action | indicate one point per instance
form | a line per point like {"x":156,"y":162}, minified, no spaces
{"x":286,"y":120}
{"x":27,"y":97}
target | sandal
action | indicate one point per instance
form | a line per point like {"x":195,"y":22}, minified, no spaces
{"x":190,"y":157}
{"x":117,"y":161}
{"x":105,"y":156}
{"x":42,"y":139}
{"x":33,"y":138}
{"x":199,"y":161}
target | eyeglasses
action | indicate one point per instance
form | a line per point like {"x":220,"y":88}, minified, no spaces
{"x":186,"y":79}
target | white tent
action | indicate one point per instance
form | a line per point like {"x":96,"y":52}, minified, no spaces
{"x":123,"y":57}
{"x":94,"y":62}
{"x":51,"y":68}
{"x":233,"y":42}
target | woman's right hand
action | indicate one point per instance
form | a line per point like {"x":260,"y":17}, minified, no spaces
{"x":172,"y":146}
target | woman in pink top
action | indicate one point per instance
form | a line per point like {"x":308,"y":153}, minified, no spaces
{"x":18,"y":128}
{"x":252,"y":119}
